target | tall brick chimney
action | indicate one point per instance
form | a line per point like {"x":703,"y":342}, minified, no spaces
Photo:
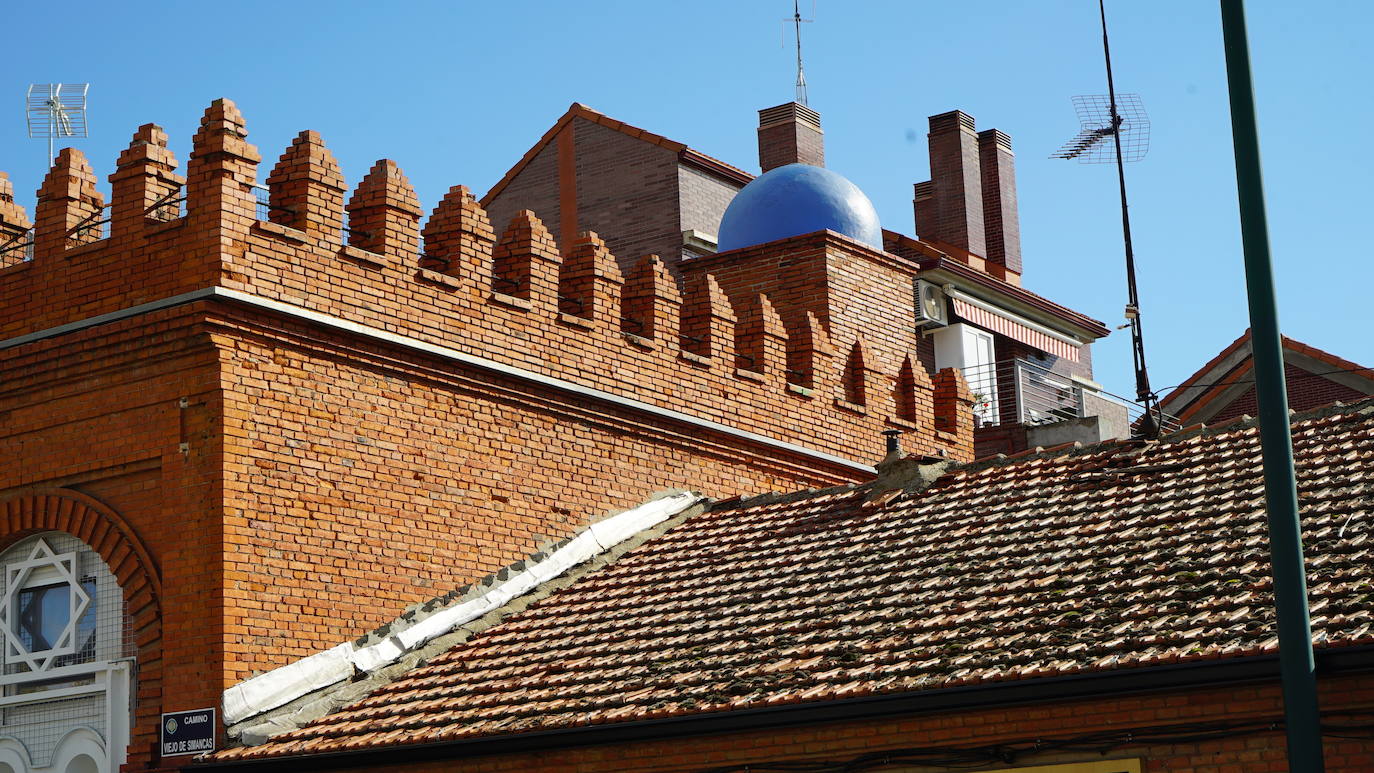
{"x":955,"y":211}
{"x":1001,"y":225}
{"x":790,"y":134}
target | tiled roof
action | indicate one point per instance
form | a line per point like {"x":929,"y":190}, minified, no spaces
{"x":1096,"y":560}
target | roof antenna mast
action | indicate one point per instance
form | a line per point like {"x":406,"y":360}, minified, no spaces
{"x":56,"y":111}
{"x":1124,"y":120}
{"x":797,"y":22}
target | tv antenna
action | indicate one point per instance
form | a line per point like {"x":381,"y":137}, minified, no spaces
{"x":1123,"y":120}
{"x":56,"y":110}
{"x":797,"y":20}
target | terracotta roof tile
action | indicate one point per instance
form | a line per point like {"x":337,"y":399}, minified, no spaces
{"x":1111,"y":557}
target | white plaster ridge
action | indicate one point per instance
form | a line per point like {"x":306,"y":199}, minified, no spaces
{"x":280,"y":686}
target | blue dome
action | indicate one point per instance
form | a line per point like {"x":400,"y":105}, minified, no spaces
{"x":798,"y":199}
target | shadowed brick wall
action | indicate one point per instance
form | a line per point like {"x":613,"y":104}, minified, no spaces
{"x":536,"y":188}
{"x":704,"y":198}
{"x":1305,"y":391}
{"x":104,"y":413}
{"x":627,"y":192}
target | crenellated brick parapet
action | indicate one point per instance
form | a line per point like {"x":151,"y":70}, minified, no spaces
{"x":15,"y":241}
{"x":792,"y":340}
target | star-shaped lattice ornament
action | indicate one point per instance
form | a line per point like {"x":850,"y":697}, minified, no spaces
{"x":47,"y":571}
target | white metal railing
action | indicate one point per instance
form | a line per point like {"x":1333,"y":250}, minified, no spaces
{"x":1026,"y":392}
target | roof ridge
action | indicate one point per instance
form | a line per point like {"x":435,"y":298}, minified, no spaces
{"x":292,"y":695}
{"x":586,"y":112}
{"x":1194,"y":381}
{"x":1186,"y":433}
{"x":1037,"y":453}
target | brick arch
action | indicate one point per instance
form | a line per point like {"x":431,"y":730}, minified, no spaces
{"x":92,"y":522}
{"x":110,"y":536}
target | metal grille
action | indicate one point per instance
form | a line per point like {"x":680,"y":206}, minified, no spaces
{"x":168,"y":208}
{"x":262,"y":195}
{"x":104,"y":618}
{"x":41,"y":726}
{"x":91,"y":228}
{"x":1027,"y":392}
{"x":42,"y":703}
{"x":17,"y":250}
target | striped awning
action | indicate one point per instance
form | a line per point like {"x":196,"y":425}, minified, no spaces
{"x":1014,"y":330}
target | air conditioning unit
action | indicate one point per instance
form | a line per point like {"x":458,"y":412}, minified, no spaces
{"x":932,"y":308}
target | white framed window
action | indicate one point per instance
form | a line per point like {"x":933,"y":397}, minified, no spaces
{"x":970,"y":349}
{"x":66,"y":665}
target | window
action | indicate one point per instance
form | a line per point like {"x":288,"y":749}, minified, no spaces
{"x":65,"y":659}
{"x":969,"y":349}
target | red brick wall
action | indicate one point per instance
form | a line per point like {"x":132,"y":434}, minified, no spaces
{"x":627,"y":192}
{"x":855,"y":292}
{"x":1263,"y":752}
{"x":99,"y":414}
{"x":703,"y":199}
{"x":1305,"y":391}
{"x":359,"y":482}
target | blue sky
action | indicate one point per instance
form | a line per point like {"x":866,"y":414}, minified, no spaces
{"x":456,"y":91}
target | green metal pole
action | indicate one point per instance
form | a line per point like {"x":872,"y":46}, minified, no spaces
{"x":1280,"y":484}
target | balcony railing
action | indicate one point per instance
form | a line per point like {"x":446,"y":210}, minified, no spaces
{"x":1027,"y":392}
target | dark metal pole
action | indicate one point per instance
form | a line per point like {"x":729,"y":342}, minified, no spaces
{"x":1149,"y":424}
{"x":1280,"y":484}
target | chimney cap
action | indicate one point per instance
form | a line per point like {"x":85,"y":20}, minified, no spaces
{"x":788,"y":112}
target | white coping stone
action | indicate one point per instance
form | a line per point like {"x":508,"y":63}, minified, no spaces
{"x":280,"y":686}
{"x":293,"y":679}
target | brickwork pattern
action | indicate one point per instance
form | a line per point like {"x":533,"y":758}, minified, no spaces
{"x":536,"y":189}
{"x":626,"y":191}
{"x":357,"y":485}
{"x":956,"y":178}
{"x":790,"y":142}
{"x":855,"y":293}
{"x":451,"y":300}
{"x":704,"y":198}
{"x":1305,"y":391}
{"x":111,"y":434}
{"x":1002,"y":224}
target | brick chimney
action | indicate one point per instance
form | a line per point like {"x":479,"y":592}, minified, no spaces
{"x":954,"y":214}
{"x":790,"y":134}
{"x":1001,"y":225}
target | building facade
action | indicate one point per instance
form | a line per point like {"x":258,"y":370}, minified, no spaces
{"x":261,"y":440}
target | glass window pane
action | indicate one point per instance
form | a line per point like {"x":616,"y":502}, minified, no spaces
{"x":43,"y":614}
